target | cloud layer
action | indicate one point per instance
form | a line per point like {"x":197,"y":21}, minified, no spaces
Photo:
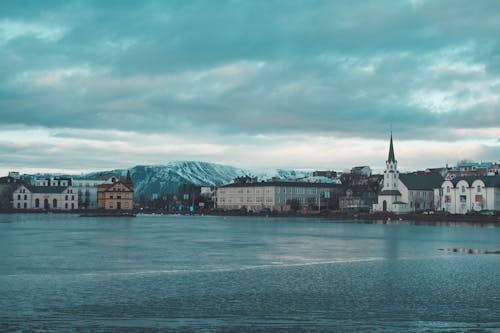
{"x":127,"y":82}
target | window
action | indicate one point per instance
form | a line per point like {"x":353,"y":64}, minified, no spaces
{"x":126,"y":204}
{"x":72,"y":206}
{"x":66,"y":205}
{"x":25,"y":197}
{"x":478,"y":188}
{"x":126,"y":195}
{"x":110,"y":205}
{"x":463,"y":198}
{"x":25,"y":205}
{"x":54,"y":203}
{"x":66,"y":197}
{"x":37,"y":203}
{"x":463,"y":189}
{"x":18,"y":205}
{"x":72,"y":197}
{"x":18,"y":197}
{"x":447,"y":189}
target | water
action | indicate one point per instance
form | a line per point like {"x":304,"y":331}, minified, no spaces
{"x":163,"y":273}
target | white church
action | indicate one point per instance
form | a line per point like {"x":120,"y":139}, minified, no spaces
{"x":404,"y":193}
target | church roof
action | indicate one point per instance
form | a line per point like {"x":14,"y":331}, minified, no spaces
{"x":425,"y":182}
{"x":390,"y":192}
{"x":391,"y":152}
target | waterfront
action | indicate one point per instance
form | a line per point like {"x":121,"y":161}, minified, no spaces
{"x":151,"y":273}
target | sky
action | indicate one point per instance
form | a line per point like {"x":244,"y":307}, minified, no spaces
{"x":299,"y":84}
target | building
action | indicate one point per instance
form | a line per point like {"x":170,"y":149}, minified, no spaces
{"x":471,"y":193}
{"x":7,"y":186}
{"x":325,"y":173}
{"x":363,"y":171}
{"x":45,"y":197}
{"x":118,"y":195}
{"x":358,"y":198}
{"x":277,"y":196}
{"x":87,"y":189}
{"x":53,"y":181}
{"x":403,"y":193}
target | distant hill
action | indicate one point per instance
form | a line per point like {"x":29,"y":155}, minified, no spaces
{"x":166,"y":178}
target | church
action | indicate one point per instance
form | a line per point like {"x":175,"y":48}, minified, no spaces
{"x":404,"y":193}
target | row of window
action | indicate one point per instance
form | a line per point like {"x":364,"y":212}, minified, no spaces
{"x":46,"y":204}
{"x":463,"y":188}
{"x":118,"y":196}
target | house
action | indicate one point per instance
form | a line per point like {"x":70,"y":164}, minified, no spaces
{"x":471,"y":193}
{"x":87,"y":189}
{"x":403,"y":193}
{"x":278,"y":195}
{"x":363,"y":171}
{"x":358,"y":198}
{"x":45,"y":197}
{"x":116,"y":196}
{"x":7,"y":186}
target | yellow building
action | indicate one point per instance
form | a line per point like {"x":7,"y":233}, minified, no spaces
{"x":116,"y":196}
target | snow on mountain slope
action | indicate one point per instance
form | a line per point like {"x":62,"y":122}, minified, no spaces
{"x":167,"y":178}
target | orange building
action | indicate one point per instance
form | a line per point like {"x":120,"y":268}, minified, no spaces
{"x":116,"y":196}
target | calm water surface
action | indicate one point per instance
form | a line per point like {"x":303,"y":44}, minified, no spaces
{"x":161,"y":273}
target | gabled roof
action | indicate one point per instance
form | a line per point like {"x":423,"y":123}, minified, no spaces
{"x":489,"y":181}
{"x":46,"y":189}
{"x":106,"y":187}
{"x":425,"y":182}
{"x":390,"y":192}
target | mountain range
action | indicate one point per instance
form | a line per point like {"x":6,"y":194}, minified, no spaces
{"x":167,"y":178}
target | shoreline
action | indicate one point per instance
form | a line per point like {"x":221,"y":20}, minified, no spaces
{"x":413,"y":218}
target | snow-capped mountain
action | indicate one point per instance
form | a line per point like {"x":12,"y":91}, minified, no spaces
{"x":167,"y":178}
{"x":163,"y":179}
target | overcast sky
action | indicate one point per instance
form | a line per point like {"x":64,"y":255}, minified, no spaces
{"x":92,"y":85}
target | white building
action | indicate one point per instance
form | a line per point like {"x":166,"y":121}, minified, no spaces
{"x":45,"y":197}
{"x":277,"y":195}
{"x":471,"y":193}
{"x":87,"y":189}
{"x":404,"y":193}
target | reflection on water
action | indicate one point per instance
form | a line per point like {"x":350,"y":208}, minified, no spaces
{"x":64,"y":273}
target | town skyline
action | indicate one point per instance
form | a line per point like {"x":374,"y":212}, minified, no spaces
{"x":90,"y":86}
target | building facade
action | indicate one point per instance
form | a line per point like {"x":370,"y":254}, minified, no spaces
{"x":404,"y":193}
{"x":45,"y":197}
{"x":115,"y":196}
{"x":277,"y":196}
{"x":467,"y":194}
{"x":87,"y":189}
{"x":358,"y":199}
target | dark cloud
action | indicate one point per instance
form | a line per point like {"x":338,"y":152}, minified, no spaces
{"x":342,"y":68}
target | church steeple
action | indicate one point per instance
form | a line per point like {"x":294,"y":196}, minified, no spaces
{"x":391,"y":153}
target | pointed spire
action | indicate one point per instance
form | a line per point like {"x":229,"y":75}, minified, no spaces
{"x":391,"y":152}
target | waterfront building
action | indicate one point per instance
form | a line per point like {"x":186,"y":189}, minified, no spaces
{"x":87,"y":189}
{"x":467,"y":194}
{"x":358,"y":198}
{"x":7,"y":186}
{"x":403,"y":193}
{"x":277,"y":195}
{"x":118,"y":195}
{"x":45,"y":197}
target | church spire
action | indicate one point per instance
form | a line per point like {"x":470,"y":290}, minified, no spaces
{"x":391,"y":152}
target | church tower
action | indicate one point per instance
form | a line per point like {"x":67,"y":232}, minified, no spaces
{"x":391,"y":174}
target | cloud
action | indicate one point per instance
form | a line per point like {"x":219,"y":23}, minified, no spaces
{"x":229,"y":71}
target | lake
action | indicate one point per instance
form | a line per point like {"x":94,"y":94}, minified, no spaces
{"x":67,"y":273}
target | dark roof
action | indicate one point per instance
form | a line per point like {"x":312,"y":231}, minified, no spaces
{"x":390,"y":192}
{"x":46,"y":189}
{"x":425,"y":182}
{"x":106,"y":187}
{"x":391,"y":152}
{"x":489,"y":181}
{"x":284,"y":184}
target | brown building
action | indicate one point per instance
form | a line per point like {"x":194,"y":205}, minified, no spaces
{"x":116,"y":196}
